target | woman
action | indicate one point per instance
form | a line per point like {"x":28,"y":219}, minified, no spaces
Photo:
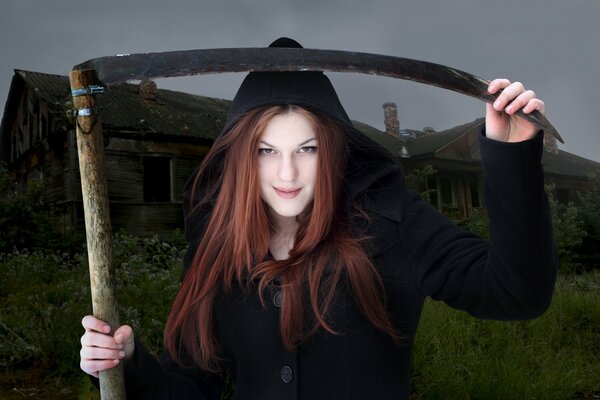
{"x":309,"y":262}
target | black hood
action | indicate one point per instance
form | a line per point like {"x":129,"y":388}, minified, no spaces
{"x":311,"y":90}
{"x":368,"y":162}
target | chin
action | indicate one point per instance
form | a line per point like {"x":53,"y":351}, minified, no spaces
{"x":290,"y":211}
{"x":287,"y":213}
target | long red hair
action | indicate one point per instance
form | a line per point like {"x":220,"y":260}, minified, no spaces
{"x":235,"y":244}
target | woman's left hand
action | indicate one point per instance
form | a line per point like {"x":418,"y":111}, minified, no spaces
{"x":500,"y":120}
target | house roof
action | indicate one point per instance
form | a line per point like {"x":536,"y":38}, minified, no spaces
{"x":172,"y":113}
{"x":431,"y":144}
{"x":393,"y":144}
{"x":186,"y":115}
{"x":460,"y":143}
{"x":569,"y":164}
{"x":123,"y":109}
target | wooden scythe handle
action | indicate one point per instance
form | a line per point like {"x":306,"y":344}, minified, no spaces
{"x":97,"y":222}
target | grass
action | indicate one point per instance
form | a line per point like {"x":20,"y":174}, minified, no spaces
{"x":556,"y":356}
{"x":43,"y":297}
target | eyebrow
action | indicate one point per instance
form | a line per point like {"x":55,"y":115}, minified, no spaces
{"x":300,"y":145}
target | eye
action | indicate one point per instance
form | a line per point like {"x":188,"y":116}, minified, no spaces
{"x":265,"y":151}
{"x":308,"y":149}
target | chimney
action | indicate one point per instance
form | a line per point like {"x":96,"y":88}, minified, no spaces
{"x":429,"y":130}
{"x":550,"y":144}
{"x":148,"y":90}
{"x":392,"y":125}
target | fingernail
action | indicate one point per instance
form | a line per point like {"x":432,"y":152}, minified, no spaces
{"x":116,"y":361}
{"x":118,"y":338}
{"x":121,"y":354}
{"x":497,"y":104}
{"x":508,"y":109}
{"x":106,"y":328}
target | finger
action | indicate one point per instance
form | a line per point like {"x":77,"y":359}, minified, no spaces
{"x":99,"y":353}
{"x":94,"y":339}
{"x":124,"y":334}
{"x":508,"y":95}
{"x":534,"y":104}
{"x":497,"y":84}
{"x":94,"y":366}
{"x":90,"y":322}
{"x":520,"y":101}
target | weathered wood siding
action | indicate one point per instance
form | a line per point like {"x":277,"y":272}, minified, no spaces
{"x":184,"y":168}
{"x":125,"y":176}
{"x":146,"y":219}
{"x":125,"y":179}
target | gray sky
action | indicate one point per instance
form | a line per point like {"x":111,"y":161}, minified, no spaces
{"x":552,"y":46}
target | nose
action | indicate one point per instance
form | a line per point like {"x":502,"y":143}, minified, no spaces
{"x":288,"y":170}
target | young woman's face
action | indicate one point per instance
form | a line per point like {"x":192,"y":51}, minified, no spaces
{"x":287,"y":160}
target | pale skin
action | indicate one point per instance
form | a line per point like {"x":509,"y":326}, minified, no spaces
{"x":102,"y":349}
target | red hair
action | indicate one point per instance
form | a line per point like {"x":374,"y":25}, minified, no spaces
{"x":235,"y":243}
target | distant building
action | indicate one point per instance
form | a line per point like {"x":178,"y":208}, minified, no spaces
{"x":155,"y":138}
{"x":454,"y":153}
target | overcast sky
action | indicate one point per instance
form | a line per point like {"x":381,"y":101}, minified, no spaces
{"x":552,"y":46}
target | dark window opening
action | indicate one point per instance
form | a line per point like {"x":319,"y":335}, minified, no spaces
{"x":157,"y":179}
{"x":447,"y":193}
{"x":44,"y":128}
{"x":35,"y":128}
{"x":475,"y":201}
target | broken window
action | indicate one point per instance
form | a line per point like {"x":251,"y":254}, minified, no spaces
{"x":157,"y":179}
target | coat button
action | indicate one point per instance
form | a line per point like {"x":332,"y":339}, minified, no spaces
{"x":277,"y":299}
{"x":286,"y":374}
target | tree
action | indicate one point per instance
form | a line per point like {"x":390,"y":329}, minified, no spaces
{"x":417,"y":179}
{"x":568,"y":230}
{"x":588,"y":205}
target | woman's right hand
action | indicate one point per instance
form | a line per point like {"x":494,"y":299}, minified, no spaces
{"x":100,"y":350}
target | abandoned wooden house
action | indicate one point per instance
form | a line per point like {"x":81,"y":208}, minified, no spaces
{"x":155,"y":138}
{"x":456,"y":187}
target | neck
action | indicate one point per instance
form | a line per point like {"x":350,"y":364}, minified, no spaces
{"x":282,"y":236}
{"x":284,"y":226}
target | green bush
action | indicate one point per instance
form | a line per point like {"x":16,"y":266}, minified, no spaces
{"x":588,"y":206}
{"x":478,"y":224}
{"x":418,"y":180}
{"x":568,"y":231}
{"x":27,"y":220}
{"x":44,"y":295}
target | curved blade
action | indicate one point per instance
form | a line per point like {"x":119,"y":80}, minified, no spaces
{"x":121,"y":68}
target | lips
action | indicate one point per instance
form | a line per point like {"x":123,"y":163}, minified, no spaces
{"x":287,"y":193}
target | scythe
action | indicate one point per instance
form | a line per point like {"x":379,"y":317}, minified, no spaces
{"x":87,"y":80}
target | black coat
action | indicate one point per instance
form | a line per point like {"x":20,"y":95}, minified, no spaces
{"x":418,"y":253}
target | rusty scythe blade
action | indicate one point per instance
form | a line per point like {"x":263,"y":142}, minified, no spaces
{"x":116,"y":69}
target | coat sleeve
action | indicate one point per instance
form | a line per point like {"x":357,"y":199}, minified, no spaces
{"x":510,"y":277}
{"x":148,"y":378}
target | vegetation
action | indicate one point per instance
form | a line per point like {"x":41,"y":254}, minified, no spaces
{"x":588,"y":206}
{"x":44,"y":295}
{"x":44,"y":292}
{"x":418,"y":179}
{"x":556,"y":356}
